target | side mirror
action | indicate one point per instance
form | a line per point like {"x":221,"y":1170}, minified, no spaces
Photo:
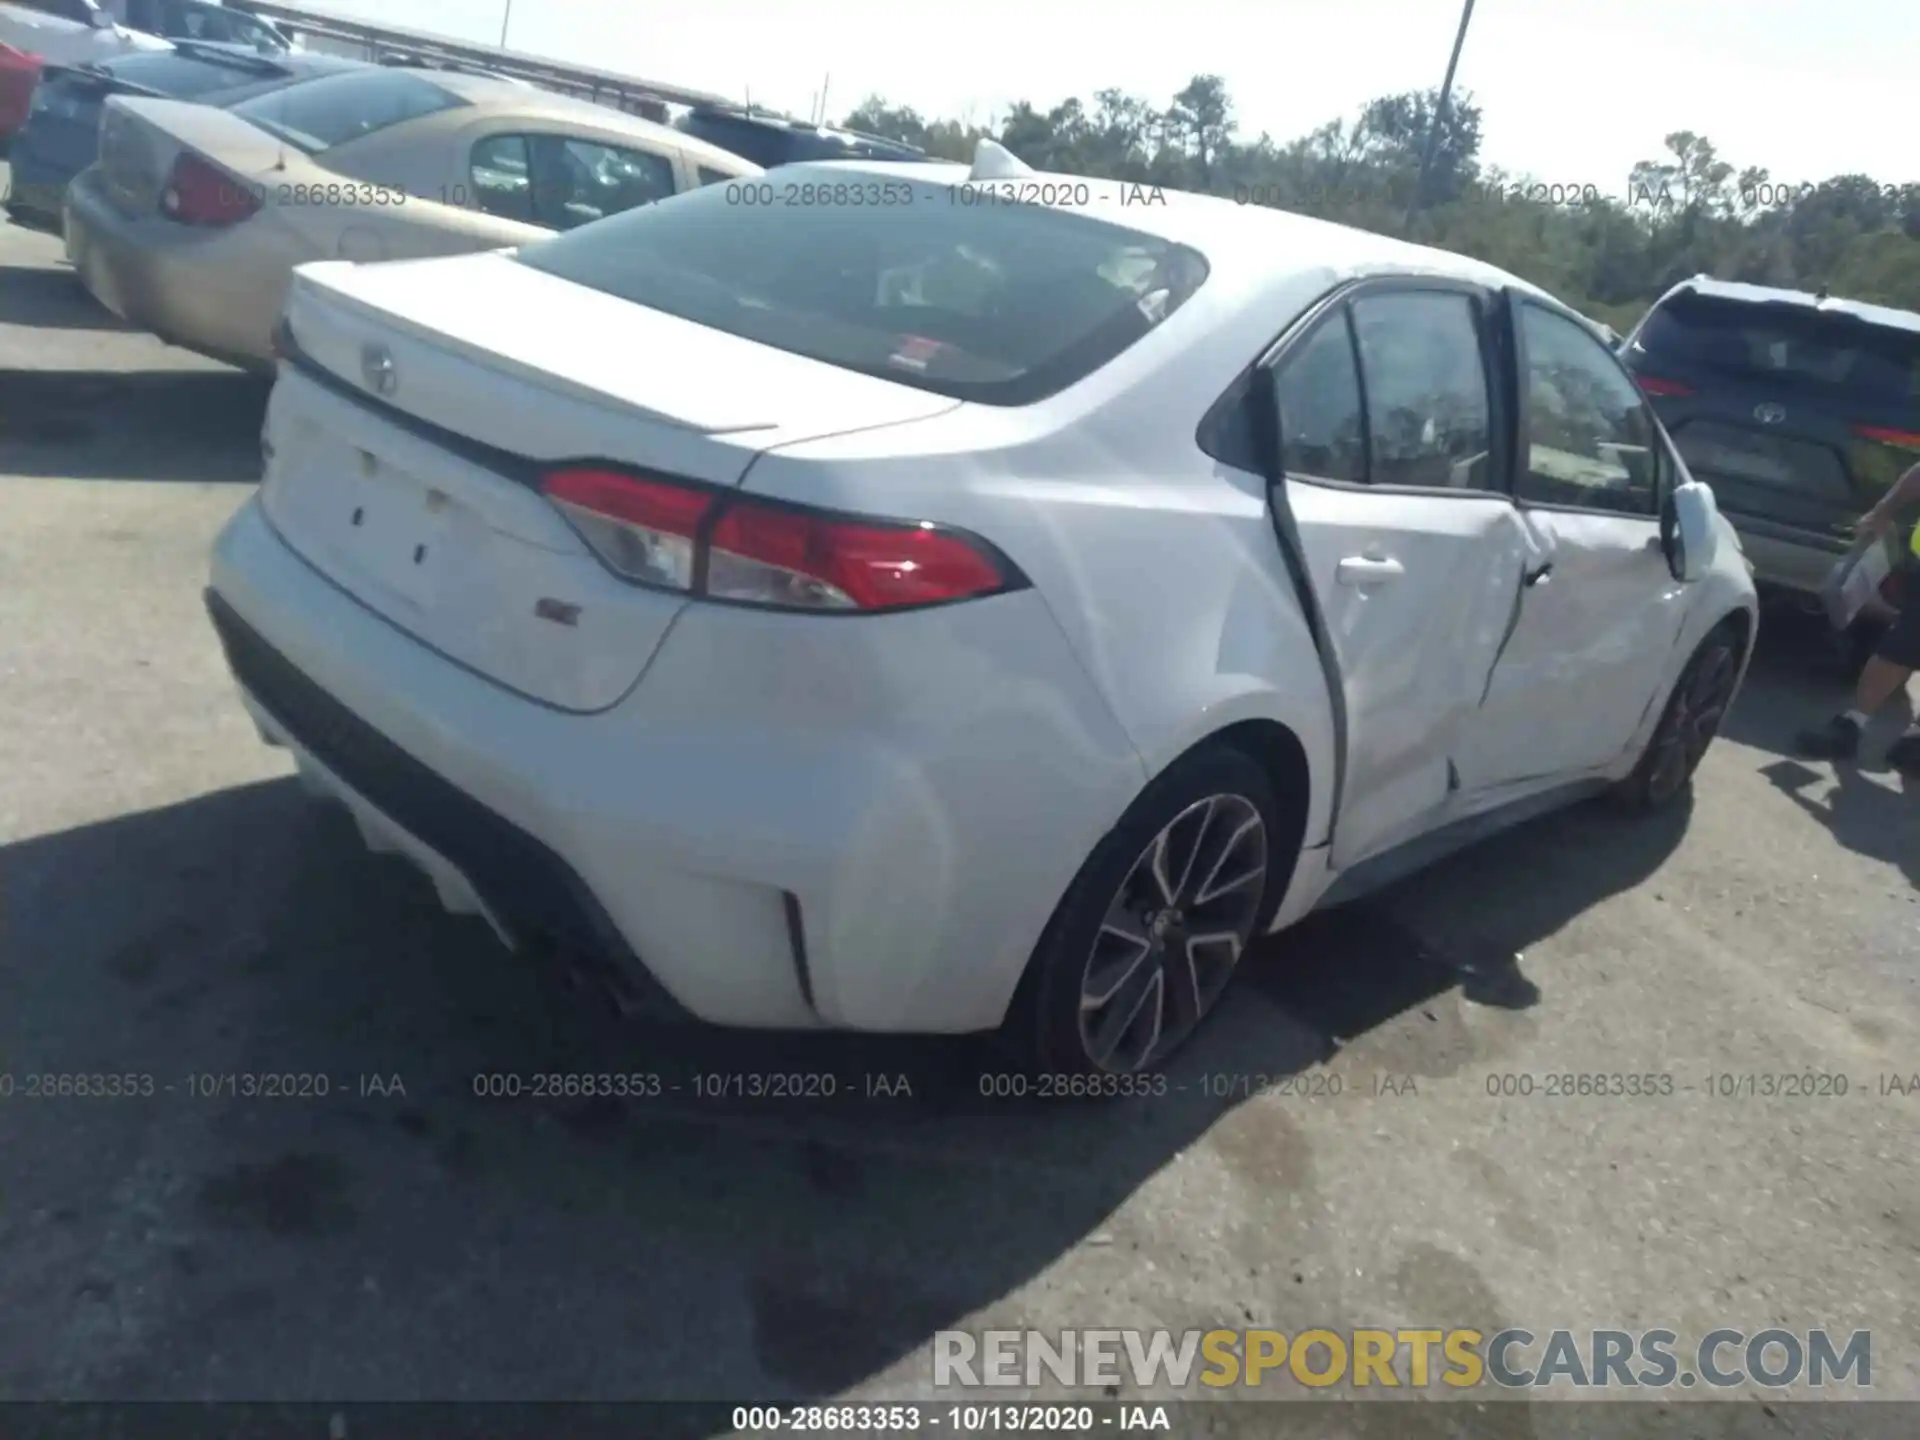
{"x":100,"y":20}
{"x":1690,"y":530}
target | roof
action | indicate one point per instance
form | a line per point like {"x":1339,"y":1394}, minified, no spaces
{"x":1740,"y":292}
{"x":1256,"y":236}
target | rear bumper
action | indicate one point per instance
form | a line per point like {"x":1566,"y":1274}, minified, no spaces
{"x":1784,"y":559}
{"x":218,"y":292}
{"x":887,"y":866}
{"x":36,"y":191}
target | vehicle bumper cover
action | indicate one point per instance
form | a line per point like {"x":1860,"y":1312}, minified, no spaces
{"x":784,"y":831}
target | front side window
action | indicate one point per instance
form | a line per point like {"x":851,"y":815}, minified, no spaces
{"x":1322,"y":434}
{"x":576,"y":182}
{"x":1428,"y":417}
{"x":1591,"y":440}
{"x":1003,"y":304}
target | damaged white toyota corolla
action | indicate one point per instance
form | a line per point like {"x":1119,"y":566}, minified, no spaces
{"x":969,"y":599}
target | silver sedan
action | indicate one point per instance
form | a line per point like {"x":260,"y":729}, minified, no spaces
{"x":192,"y":221}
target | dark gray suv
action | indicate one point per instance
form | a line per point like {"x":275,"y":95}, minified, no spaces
{"x":1798,"y":410}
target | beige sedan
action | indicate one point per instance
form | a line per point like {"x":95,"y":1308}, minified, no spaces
{"x":193,"y":219}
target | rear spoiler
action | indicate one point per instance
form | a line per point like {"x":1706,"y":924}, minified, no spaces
{"x":98,"y":80}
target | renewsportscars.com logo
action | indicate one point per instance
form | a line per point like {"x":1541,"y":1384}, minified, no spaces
{"x":1317,"y":1359}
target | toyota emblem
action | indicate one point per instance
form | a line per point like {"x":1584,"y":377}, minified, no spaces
{"x":1769,"y":414}
{"x":376,"y":368}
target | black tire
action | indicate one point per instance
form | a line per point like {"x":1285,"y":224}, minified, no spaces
{"x":1687,"y":726}
{"x":1047,"y":1026}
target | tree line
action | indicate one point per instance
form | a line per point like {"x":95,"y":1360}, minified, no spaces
{"x":1611,"y":253}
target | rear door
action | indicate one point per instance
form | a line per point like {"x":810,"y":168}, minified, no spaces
{"x":1389,"y":432}
{"x":1798,"y":419}
{"x":1595,"y":628}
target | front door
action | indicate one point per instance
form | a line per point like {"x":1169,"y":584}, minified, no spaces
{"x":1595,"y":632}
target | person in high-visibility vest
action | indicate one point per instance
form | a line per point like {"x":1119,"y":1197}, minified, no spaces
{"x":1894,"y":659}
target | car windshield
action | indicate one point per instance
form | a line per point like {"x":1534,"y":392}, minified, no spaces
{"x":1788,"y":343}
{"x":1000,"y":304}
{"x":335,"y":109}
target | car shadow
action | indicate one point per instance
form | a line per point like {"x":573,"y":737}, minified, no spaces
{"x":148,"y":425}
{"x":51,"y":297}
{"x":430,"y":1237}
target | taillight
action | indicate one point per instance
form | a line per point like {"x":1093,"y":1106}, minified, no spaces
{"x":197,"y":193}
{"x":13,"y":57}
{"x":1902,"y":439}
{"x":724,"y":546}
{"x":1655,"y":386}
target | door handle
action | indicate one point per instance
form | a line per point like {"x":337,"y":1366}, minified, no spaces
{"x":1364,"y":570}
{"x":1534,"y":577}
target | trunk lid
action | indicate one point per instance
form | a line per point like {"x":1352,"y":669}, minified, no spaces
{"x":140,"y":138}
{"x":407,"y":439}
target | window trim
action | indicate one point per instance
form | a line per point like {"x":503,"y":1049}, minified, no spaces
{"x":1517,"y":302}
{"x":1497,"y":373}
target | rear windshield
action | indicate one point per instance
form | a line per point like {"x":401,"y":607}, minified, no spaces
{"x":185,"y":76}
{"x":334,"y":109}
{"x":1000,"y":304}
{"x":1787,"y":343}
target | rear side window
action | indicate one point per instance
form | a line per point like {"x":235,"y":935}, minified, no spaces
{"x":1318,"y":389}
{"x":1786,"y":344}
{"x":338,"y":108}
{"x":1004,"y":305}
{"x":182,"y":76}
{"x":1426,"y":384}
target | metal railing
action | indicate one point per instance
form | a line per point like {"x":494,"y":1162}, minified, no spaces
{"x":357,"y":39}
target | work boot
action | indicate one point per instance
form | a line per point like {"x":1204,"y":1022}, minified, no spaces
{"x":1838,"y":739}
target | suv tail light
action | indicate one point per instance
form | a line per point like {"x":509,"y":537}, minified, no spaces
{"x":720,"y":545}
{"x":1653,"y":385}
{"x":200,"y":193}
{"x":1900,"y":439}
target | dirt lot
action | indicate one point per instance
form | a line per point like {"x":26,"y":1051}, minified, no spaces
{"x":175,"y":907}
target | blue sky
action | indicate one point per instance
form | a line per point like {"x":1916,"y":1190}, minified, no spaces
{"x":1573,"y":92}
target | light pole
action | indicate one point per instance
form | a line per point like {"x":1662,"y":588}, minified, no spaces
{"x":507,"y":15}
{"x":1436,"y":124}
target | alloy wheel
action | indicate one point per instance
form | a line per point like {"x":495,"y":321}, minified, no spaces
{"x":1173,"y":933}
{"x":1692,"y":720}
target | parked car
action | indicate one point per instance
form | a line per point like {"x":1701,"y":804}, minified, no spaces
{"x":37,"y":33}
{"x":19,"y":74}
{"x":769,"y":140}
{"x":62,"y":134}
{"x":1799,"y":410}
{"x":924,"y":617}
{"x":204,"y":20}
{"x":68,"y":32}
{"x":191,"y":223}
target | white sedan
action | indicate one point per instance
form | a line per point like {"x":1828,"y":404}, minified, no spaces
{"x":912,"y":599}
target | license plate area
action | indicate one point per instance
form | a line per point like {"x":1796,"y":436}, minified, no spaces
{"x":382,"y":530}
